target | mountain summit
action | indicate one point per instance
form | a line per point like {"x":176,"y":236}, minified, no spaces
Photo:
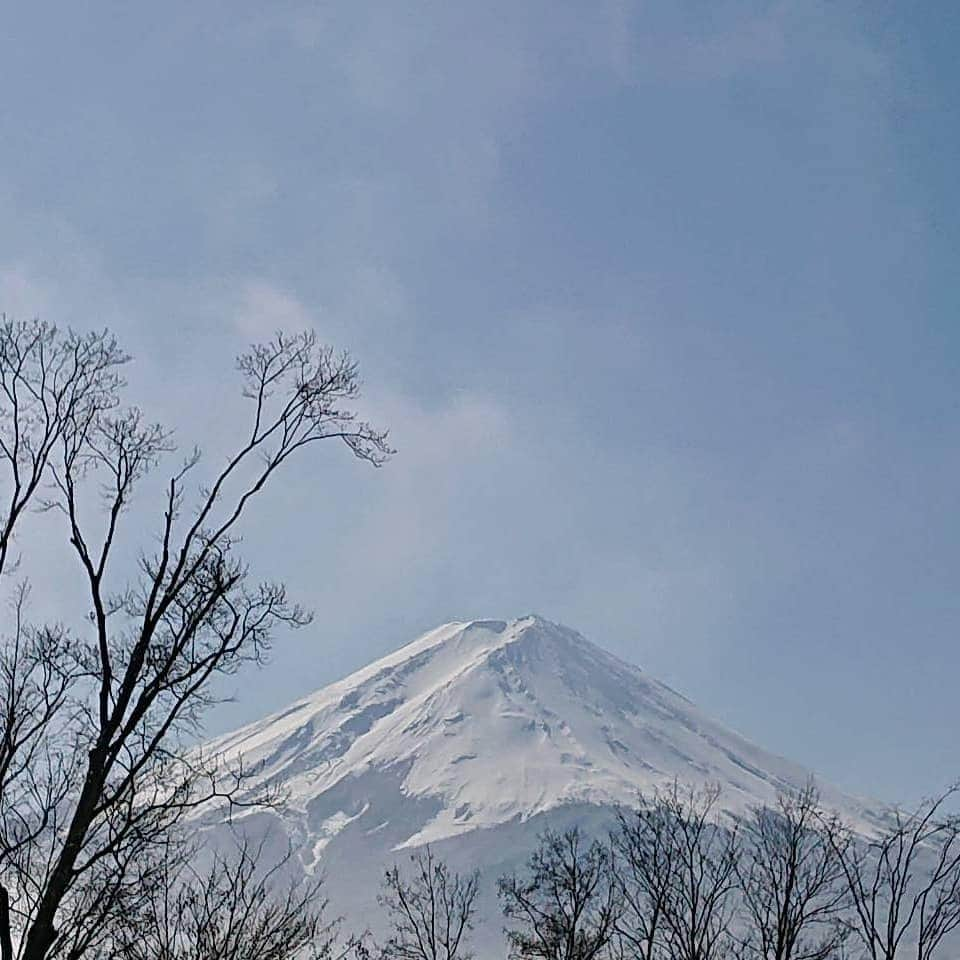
{"x":479,"y":723}
{"x":473,"y":738}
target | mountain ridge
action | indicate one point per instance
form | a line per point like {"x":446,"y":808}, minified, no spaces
{"x":474,"y":737}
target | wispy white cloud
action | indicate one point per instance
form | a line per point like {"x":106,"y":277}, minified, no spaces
{"x":22,"y":294}
{"x":263,"y":308}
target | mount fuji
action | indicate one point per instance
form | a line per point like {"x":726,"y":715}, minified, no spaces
{"x":472,"y":738}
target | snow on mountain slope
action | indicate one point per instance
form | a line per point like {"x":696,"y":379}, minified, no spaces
{"x":479,"y":724}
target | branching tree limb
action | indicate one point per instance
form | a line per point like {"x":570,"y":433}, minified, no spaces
{"x":567,"y":905}
{"x":905,"y":883}
{"x":431,"y":910}
{"x":53,"y":385}
{"x":676,"y":867}
{"x":791,"y":881}
{"x":239,"y":908}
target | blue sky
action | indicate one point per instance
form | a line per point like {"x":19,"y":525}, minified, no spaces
{"x":659,"y":300}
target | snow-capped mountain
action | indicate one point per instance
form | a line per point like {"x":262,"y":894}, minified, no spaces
{"x":473,"y":737}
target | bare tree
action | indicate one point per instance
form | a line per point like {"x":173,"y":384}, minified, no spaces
{"x":54,"y":385}
{"x":239,"y":908}
{"x":904,"y":884}
{"x":94,"y":772}
{"x":677,"y":870}
{"x":791,"y":881}
{"x":431,"y":910}
{"x":567,"y":905}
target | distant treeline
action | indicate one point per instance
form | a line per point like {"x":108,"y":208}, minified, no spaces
{"x":677,"y":878}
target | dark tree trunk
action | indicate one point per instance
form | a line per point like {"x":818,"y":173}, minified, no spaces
{"x":6,"y":939}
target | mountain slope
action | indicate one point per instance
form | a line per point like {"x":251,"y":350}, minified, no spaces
{"x":480,"y":724}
